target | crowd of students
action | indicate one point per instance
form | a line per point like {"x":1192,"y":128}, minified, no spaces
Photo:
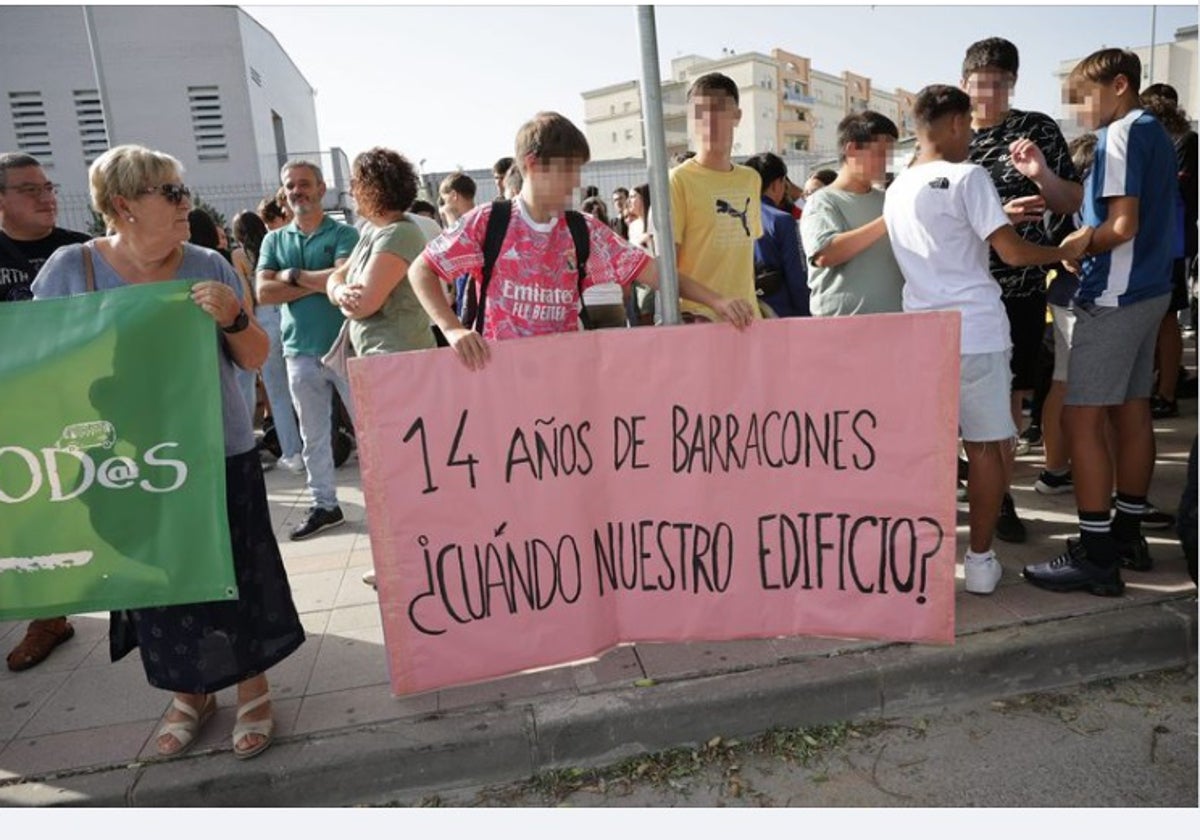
{"x":993,"y":216}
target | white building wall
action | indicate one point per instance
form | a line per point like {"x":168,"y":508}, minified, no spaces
{"x":613,"y":122}
{"x":274,"y":84}
{"x":150,"y":56}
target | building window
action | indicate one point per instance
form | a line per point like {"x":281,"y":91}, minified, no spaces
{"x":256,"y":77}
{"x":208,"y":123}
{"x":614,"y":137}
{"x":625,"y":105}
{"x":629,"y":134}
{"x":90,"y":118}
{"x":612,"y":109}
{"x":29,"y":125}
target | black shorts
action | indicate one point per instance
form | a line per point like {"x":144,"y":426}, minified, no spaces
{"x":1179,"y":285}
{"x":1027,"y":325}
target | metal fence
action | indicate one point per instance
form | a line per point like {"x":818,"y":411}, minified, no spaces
{"x":607,"y":175}
{"x":75,"y":212}
{"x":75,"y":209}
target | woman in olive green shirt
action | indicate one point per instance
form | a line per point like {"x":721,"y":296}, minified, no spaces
{"x":371,"y":287}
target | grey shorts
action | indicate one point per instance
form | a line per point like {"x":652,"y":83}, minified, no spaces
{"x":1064,"y":325}
{"x":1112,"y":352}
{"x":984,"y":407}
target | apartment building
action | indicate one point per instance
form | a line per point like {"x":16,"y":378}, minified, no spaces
{"x":787,"y":106}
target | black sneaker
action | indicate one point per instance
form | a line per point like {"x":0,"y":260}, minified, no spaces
{"x":1032,"y":435}
{"x":963,"y":468}
{"x":317,"y":520}
{"x":1135,"y":555}
{"x":1072,"y":571}
{"x":1009,"y":526}
{"x":1049,"y":484}
{"x":1162,"y":408}
{"x":1156,"y":520}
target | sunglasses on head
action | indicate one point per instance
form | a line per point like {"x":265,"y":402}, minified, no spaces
{"x":174,"y":193}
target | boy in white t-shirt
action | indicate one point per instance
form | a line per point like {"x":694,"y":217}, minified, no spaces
{"x":941,"y":216}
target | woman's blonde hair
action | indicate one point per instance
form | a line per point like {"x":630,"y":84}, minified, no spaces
{"x":125,"y":171}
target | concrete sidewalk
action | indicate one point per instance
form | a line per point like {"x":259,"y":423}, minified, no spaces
{"x":80,"y":730}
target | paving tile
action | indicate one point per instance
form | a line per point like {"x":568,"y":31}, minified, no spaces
{"x":22,"y":697}
{"x":356,"y":617}
{"x":105,"y":745}
{"x":290,"y":677}
{"x":330,"y":562}
{"x":353,"y":592}
{"x":507,"y":689}
{"x":619,"y":667}
{"x":339,"y":540}
{"x":370,"y":704}
{"x":315,"y":590}
{"x":89,"y":631}
{"x":973,"y":613}
{"x":349,"y":659}
{"x":1028,"y":602}
{"x":690,"y":659}
{"x":95,"y":697}
{"x":10,"y":633}
{"x":314,"y":622}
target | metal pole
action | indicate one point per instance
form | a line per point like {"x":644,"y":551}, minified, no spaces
{"x":656,"y":149}
{"x":110,"y":133}
{"x":1153,"y":33}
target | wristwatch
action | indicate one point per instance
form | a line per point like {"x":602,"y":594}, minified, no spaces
{"x":239,"y":323}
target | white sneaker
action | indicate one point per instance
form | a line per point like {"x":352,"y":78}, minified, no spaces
{"x":982,"y":573}
{"x":293,"y":464}
{"x":369,"y":579}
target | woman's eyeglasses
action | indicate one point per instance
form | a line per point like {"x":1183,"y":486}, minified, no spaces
{"x":174,"y":193}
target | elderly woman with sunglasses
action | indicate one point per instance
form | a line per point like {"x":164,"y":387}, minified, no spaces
{"x":193,"y":650}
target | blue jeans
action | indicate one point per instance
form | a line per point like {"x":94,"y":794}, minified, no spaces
{"x":312,"y":387}
{"x":275,"y":383}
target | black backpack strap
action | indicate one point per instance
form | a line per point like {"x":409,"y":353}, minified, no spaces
{"x":577,"y":224}
{"x":493,"y":239}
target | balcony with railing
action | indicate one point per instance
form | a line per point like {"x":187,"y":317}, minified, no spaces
{"x":796,"y":98}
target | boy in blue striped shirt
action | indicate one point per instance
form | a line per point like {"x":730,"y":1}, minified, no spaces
{"x":1125,"y":287}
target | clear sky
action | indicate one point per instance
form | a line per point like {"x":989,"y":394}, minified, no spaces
{"x":450,"y":84}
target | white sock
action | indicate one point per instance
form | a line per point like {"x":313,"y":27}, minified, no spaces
{"x":978,"y":558}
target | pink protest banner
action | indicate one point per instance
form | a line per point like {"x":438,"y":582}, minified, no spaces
{"x":662,"y":484}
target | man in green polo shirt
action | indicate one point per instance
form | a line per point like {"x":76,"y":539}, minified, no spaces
{"x":293,"y":265}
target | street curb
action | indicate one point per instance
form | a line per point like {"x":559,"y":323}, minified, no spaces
{"x":403,"y":758}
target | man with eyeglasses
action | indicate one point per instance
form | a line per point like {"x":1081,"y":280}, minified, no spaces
{"x":294,"y":264}
{"x":28,"y":236}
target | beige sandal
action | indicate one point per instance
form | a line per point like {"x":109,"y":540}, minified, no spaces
{"x":243,"y":728}
{"x":185,"y":731}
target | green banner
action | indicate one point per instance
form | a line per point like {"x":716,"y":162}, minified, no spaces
{"x":112,"y":460}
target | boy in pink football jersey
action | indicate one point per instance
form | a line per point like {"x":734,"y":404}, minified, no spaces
{"x":535,"y":283}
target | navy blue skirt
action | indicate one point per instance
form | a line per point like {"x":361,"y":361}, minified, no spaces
{"x":202,"y":648}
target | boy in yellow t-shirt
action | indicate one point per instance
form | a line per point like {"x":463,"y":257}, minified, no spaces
{"x":714,"y":202}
